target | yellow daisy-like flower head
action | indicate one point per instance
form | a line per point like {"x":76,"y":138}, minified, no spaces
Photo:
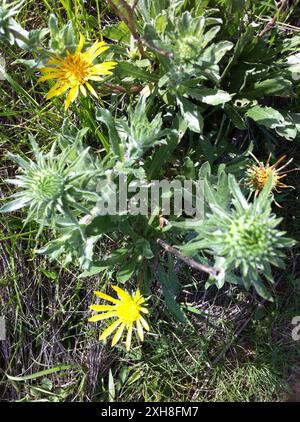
{"x":258,"y":174}
{"x":75,"y":70}
{"x":127,"y":310}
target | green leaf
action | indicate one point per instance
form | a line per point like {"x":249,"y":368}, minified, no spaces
{"x":191,"y":114}
{"x":188,"y":224}
{"x":236,"y":191}
{"x":105,"y":116}
{"x":220,"y":262}
{"x":244,"y":40}
{"x":235,"y":117}
{"x":69,"y":37}
{"x":125,"y":69}
{"x":42,"y":373}
{"x":169,"y":294}
{"x":147,"y":251}
{"x":192,"y":248}
{"x":209,"y":95}
{"x":205,"y":170}
{"x":207,"y":148}
{"x":118,"y":31}
{"x":274,"y":86}
{"x":262,"y":290}
{"x":264,"y":194}
{"x":210,"y":193}
{"x":289,"y":130}
{"x":49,"y":274}
{"x":164,"y":152}
{"x":127,"y":269}
{"x":117,"y":257}
{"x":188,"y":169}
{"x":223,"y":191}
{"x":266,"y":116}
{"x":101,"y":224}
{"x":94,"y":269}
{"x":215,"y":52}
{"x":15,"y":205}
{"x":111,"y":387}
{"x":209,"y":35}
{"x":53,"y":26}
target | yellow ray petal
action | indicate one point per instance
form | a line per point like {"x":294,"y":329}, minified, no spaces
{"x":91,"y":89}
{"x":140,"y":330}
{"x":49,"y":76}
{"x":81,"y":43}
{"x":96,"y":45}
{"x":141,"y":300}
{"x":56,"y":90}
{"x":121,"y":293}
{"x":105,"y":65}
{"x":144,"y":323}
{"x":49,"y":69}
{"x":99,"y":317}
{"x":73,"y":94}
{"x":99,"y":308}
{"x":118,"y":335}
{"x":100,"y":72}
{"x":55,"y":60}
{"x":90,"y":51}
{"x":144,"y":310}
{"x":110,"y":329}
{"x":137,"y":295}
{"x":98,"y":52}
{"x":95,"y":78}
{"x":83,"y":90}
{"x":97,"y":48}
{"x":106,"y":297}
{"x":100,"y":69}
{"x":55,"y":87}
{"x":128,"y":338}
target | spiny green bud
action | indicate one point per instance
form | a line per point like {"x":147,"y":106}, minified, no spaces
{"x":142,"y":133}
{"x":249,"y":236}
{"x":47,"y":185}
{"x":187,"y":48}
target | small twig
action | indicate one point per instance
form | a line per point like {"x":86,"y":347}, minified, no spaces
{"x":283,"y":25}
{"x":156,"y":49}
{"x":134,"y":4}
{"x":129,"y":21}
{"x":189,"y":261}
{"x":272,"y":22}
{"x":121,"y":89}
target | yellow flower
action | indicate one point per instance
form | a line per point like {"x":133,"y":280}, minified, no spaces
{"x":75,"y":70}
{"x":258,"y":174}
{"x":127,"y":309}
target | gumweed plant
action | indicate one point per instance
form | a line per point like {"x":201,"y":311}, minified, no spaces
{"x":48,"y":184}
{"x":172,"y":112}
{"x":244,"y":237}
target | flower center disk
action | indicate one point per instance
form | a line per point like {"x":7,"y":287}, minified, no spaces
{"x":128,"y":311}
